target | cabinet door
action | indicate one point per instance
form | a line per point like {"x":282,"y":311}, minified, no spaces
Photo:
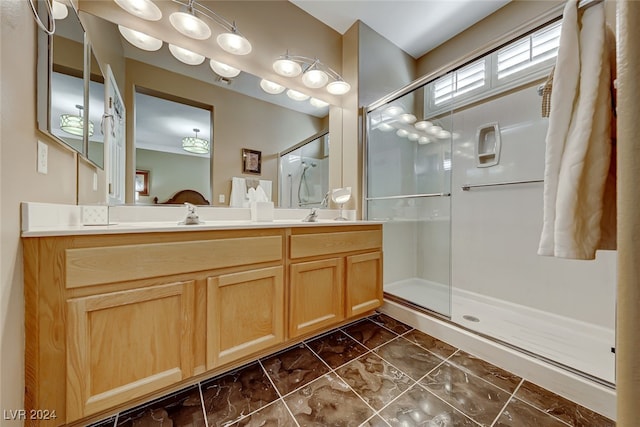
{"x":245,"y":314}
{"x":316,"y":295}
{"x":126,"y":344}
{"x":364,"y":283}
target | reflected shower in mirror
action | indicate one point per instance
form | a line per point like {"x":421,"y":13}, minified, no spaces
{"x":304,"y":174}
{"x":166,"y":133}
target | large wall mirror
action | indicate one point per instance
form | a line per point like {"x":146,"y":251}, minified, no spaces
{"x":68,"y":78}
{"x":158,"y":89}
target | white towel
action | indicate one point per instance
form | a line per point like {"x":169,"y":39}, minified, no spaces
{"x":578,"y":139}
{"x":266,"y":186}
{"x":237,"y":199}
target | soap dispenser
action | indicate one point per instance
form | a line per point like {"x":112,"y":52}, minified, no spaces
{"x":192,"y":217}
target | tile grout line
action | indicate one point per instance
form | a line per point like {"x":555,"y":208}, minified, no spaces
{"x":495,"y":420}
{"x":281,"y":398}
{"x":535,"y":407}
{"x":204,"y":409}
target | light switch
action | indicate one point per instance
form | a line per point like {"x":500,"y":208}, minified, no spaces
{"x":43,"y":154}
{"x":95,"y":181}
{"x":221,"y":198}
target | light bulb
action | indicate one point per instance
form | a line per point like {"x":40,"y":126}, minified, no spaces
{"x":339,"y":87}
{"x":144,"y":9}
{"x":318,"y":103}
{"x":443,"y":134}
{"x":140,"y":40}
{"x":59,"y":10}
{"x":297,"y":96}
{"x":234,"y":43}
{"x":385,"y":127}
{"x":423,"y":140}
{"x":315,"y":78}
{"x":185,"y":55}
{"x":413,"y":137}
{"x":287,"y":68}
{"x":223,"y":70}
{"x":271,"y":87}
{"x":402,"y":133}
{"x":407,"y":118}
{"x":393,"y":110}
{"x":423,"y":125}
{"x":190,"y":25}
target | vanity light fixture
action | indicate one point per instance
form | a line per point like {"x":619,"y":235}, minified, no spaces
{"x":223,"y":70}
{"x":59,"y":10}
{"x":144,"y":9}
{"x":271,"y":87}
{"x":194,"y":144}
{"x":185,"y":55}
{"x":318,"y":103}
{"x":189,"y":24}
{"x":74,"y":124}
{"x":315,"y":74}
{"x":139,"y":39}
{"x":385,"y":127}
{"x":297,"y":96}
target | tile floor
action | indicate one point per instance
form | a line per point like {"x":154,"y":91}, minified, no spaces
{"x":373,"y":372}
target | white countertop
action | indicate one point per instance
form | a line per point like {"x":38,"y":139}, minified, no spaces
{"x":42,"y":220}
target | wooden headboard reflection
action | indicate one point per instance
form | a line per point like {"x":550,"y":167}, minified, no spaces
{"x":182,"y":196}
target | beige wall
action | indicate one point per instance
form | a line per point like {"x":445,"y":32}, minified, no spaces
{"x":19,"y":182}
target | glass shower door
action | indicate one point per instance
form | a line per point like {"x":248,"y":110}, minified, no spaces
{"x":408,"y":185}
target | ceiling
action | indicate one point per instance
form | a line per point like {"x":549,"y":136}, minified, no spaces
{"x":416,"y":26}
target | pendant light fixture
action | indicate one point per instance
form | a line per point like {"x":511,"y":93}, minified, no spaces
{"x":144,"y":9}
{"x":194,"y":144}
{"x":74,"y":125}
{"x":189,"y":23}
{"x":315,"y":74}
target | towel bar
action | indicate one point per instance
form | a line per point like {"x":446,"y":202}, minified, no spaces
{"x":467,"y":187}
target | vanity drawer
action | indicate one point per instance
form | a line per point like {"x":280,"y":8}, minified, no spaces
{"x":317,"y":244}
{"x":94,"y":266}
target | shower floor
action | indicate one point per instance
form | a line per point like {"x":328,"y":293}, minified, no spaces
{"x":430,"y":295}
{"x":578,"y":345}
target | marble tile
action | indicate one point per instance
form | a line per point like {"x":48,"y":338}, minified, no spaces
{"x":390,"y":323}
{"x":181,"y":409}
{"x":419,"y":407}
{"x":369,"y":334}
{"x":328,"y":401}
{"x":432,"y":344}
{"x":375,"y":421}
{"x":233,"y":395}
{"x":471,"y":395}
{"x":410,"y":358}
{"x":274,"y":415}
{"x":337,"y":348}
{"x":293,"y":368}
{"x":520,"y":414}
{"x":485,"y":370}
{"x":564,"y":409}
{"x":109,"y":422}
{"x":374,"y":380}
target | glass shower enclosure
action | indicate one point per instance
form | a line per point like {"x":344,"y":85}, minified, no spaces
{"x":408,"y":185}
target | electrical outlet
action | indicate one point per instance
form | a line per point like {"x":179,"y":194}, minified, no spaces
{"x":221,"y":198}
{"x":95,"y":181}
{"x":43,"y":154}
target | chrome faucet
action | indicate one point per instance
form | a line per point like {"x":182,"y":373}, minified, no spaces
{"x":312,"y":217}
{"x":192,"y":217}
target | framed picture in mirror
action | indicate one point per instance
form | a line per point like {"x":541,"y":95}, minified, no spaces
{"x":251,"y":161}
{"x":142,"y":182}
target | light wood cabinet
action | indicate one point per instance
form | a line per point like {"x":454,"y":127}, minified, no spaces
{"x":123,"y":345}
{"x":364,"y":283}
{"x":245,"y":314}
{"x":113,"y":320}
{"x":317,"y":295}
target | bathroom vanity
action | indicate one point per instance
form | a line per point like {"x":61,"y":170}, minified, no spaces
{"x":116,"y":315}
